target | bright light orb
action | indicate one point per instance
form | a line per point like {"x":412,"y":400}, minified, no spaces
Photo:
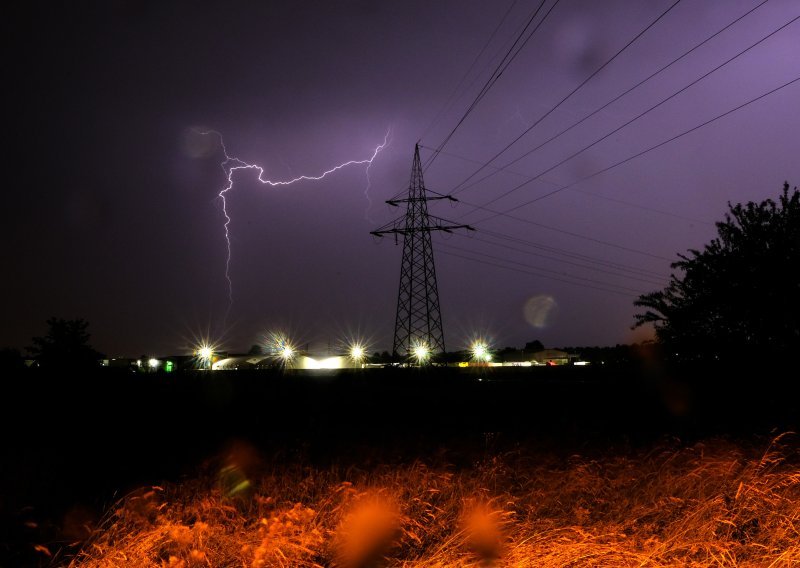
{"x":480,"y":352}
{"x":357,"y":352}
{"x":287,"y":353}
{"x":421,"y":352}
{"x":153,"y":363}
{"x":280,"y":347}
{"x":205,"y":352}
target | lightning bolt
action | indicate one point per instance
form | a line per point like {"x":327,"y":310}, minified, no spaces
{"x":233,"y":164}
{"x":366,"y":195}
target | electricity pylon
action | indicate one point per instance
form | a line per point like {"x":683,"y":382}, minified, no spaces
{"x":418,"y":324}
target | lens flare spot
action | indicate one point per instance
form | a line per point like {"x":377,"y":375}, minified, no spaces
{"x":540,"y":310}
{"x":196,"y":145}
{"x":368,"y":531}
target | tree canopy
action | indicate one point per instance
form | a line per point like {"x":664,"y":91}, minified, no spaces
{"x":534,"y":346}
{"x":740,"y":292}
{"x":66,"y":344}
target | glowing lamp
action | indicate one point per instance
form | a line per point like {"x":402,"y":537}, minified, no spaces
{"x":480,"y":352}
{"x":421,"y":352}
{"x":287,"y":353}
{"x":356,"y":352}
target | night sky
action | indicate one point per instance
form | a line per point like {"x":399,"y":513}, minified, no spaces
{"x":110,"y":202}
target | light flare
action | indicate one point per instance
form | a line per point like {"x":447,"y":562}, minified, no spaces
{"x":280,"y":348}
{"x":480,"y":352}
{"x":357,"y":352}
{"x":421,"y":352}
{"x":287,"y":353}
{"x":205,"y":355}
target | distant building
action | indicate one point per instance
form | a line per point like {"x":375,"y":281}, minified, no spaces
{"x":515,"y":358}
{"x":235,"y":362}
{"x":302,"y":360}
{"x":553,"y":357}
{"x":121,"y":363}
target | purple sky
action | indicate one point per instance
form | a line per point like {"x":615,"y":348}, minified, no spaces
{"x":111,"y":209}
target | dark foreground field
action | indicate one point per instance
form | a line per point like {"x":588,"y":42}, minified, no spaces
{"x":530,"y":467}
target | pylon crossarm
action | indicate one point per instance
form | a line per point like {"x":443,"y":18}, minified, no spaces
{"x":390,"y":227}
{"x":394,"y":202}
{"x":411,"y":230}
{"x":441,"y":195}
{"x":451,"y":228}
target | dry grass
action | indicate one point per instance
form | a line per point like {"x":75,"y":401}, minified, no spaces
{"x":713,"y":504}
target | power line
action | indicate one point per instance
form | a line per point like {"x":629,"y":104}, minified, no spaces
{"x":499,"y":70}
{"x":578,"y":256}
{"x":628,"y":159}
{"x":446,"y":104}
{"x":615,"y":99}
{"x":575,"y":90}
{"x":547,"y":270}
{"x":618,"y":292}
{"x":576,"y":264}
{"x":494,"y":57}
{"x":637,"y":117}
{"x":597,"y":195}
{"x":564,"y":231}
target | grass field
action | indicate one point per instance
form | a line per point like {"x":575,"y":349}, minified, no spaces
{"x":714,"y":503}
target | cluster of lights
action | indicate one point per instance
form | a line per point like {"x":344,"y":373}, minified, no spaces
{"x":282,"y":349}
{"x":279,"y":345}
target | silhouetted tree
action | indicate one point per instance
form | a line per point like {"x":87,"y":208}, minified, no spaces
{"x":256,"y":349}
{"x":620,"y":355}
{"x":11,"y":360}
{"x":534,"y":346}
{"x":384,"y":357}
{"x":740,"y":295}
{"x":66,"y":344}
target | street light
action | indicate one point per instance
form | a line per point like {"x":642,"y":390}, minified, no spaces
{"x":205,"y":354}
{"x":421,"y":353}
{"x":280,"y":348}
{"x":287,"y":353}
{"x":480,"y":352}
{"x":357,"y":353}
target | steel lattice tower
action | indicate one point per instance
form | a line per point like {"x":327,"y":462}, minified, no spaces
{"x":419,"y":318}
